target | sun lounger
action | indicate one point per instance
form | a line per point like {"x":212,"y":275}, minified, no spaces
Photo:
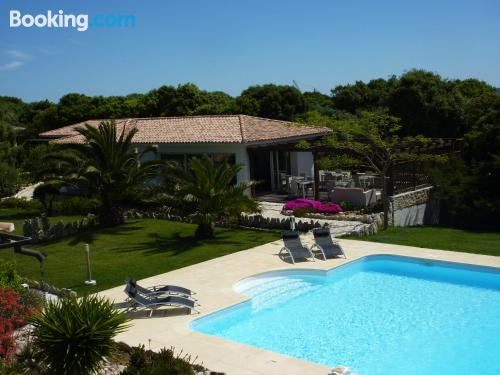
{"x":139,"y":301}
{"x":324,"y":245}
{"x":162,"y":289}
{"x":293,"y":248}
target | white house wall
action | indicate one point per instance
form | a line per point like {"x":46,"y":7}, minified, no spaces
{"x":239,"y":151}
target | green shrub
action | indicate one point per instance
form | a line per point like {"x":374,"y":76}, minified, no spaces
{"x":376,"y":207}
{"x":34,"y":161}
{"x":76,"y":206}
{"x":348,"y":206}
{"x":26,"y":361}
{"x":10,"y":368}
{"x":165,"y":362}
{"x":303,"y":211}
{"x":21,"y":203}
{"x":143,"y":197}
{"x":72,"y":336}
{"x":47,"y":193}
{"x":9,"y":278}
{"x":33,"y":300}
{"x":9,"y":179}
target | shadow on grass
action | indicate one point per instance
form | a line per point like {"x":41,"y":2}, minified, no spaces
{"x":176,"y":243}
{"x":89,"y":236}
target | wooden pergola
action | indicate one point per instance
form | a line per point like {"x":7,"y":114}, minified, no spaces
{"x":404,"y":176}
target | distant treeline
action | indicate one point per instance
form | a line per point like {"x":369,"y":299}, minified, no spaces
{"x":426,"y":103}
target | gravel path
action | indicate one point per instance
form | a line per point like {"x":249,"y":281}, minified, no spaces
{"x":27,"y":192}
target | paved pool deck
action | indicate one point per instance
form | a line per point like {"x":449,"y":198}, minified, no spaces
{"x":213,"y":282}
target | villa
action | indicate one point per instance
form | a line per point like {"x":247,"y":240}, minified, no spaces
{"x":265,"y":147}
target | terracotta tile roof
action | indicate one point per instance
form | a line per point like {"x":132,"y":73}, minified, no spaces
{"x":199,"y":129}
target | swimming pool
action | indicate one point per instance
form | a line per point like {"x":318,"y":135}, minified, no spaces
{"x":380,"y":314}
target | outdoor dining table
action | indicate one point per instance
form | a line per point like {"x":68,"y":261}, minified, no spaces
{"x":302,"y":184}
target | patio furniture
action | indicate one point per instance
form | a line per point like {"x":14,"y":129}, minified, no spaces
{"x":161,"y":289}
{"x":139,"y":301}
{"x":293,"y":248}
{"x":366,"y":181}
{"x":355,"y":195}
{"x":325,"y":245}
{"x":303,"y":183}
{"x":283,"y":180}
{"x":294,"y":187}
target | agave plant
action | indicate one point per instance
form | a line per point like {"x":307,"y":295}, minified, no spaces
{"x":206,"y":192}
{"x":72,"y":336}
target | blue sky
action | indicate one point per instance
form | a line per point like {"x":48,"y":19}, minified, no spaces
{"x":230,"y":44}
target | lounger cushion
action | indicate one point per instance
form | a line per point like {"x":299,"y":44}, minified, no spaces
{"x":290,"y":235}
{"x":323,"y":238}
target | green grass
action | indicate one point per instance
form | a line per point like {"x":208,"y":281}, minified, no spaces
{"x":441,"y":238}
{"x":139,"y":248}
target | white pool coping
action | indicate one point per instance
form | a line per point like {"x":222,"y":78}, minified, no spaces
{"x":213,"y":281}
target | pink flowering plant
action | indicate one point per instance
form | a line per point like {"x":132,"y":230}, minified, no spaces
{"x":316,"y":206}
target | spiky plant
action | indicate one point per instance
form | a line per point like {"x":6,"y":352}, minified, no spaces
{"x":73,"y":335}
{"x":206,"y":192}
{"x":106,"y":164}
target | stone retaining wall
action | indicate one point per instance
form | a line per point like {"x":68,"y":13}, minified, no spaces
{"x":368,"y":226}
{"x":40,"y":229}
{"x":302,"y":224}
{"x":412,"y":208}
{"x":411,"y":198}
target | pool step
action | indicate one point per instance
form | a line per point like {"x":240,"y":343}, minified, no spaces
{"x":268,"y":292}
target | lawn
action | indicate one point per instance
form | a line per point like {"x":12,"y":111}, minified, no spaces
{"x":441,"y":238}
{"x":139,"y":248}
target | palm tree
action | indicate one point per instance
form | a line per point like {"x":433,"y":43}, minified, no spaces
{"x":106,"y":165}
{"x":206,"y":192}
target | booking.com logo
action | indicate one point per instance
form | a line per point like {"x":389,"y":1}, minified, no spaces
{"x":80,"y":22}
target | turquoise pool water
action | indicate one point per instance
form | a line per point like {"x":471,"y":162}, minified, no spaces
{"x":377,"y":315}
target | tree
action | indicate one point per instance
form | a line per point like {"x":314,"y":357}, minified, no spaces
{"x":472,"y":88}
{"x":371,"y":141}
{"x":7,"y":134}
{"x":468,"y":187}
{"x":427,"y":105}
{"x":9,"y":179}
{"x":183,"y":100}
{"x":318,"y":102}
{"x":272,"y":101}
{"x":363,"y":96}
{"x":206,"y":192}
{"x":106,"y":165}
{"x":74,"y":108}
{"x":73,"y":335}
{"x":217,"y":103}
